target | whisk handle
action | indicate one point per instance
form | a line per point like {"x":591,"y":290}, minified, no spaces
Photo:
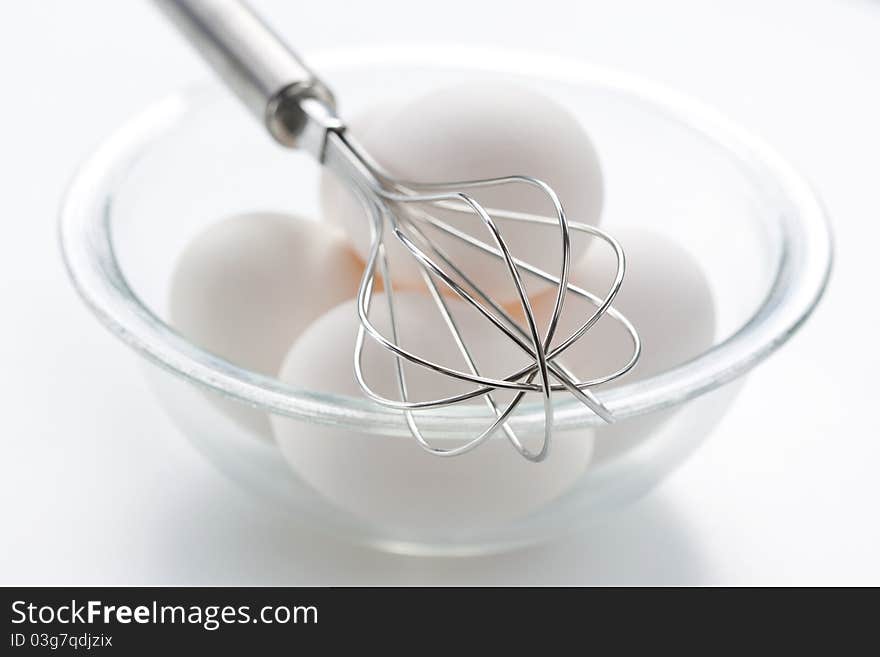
{"x":271,"y":80}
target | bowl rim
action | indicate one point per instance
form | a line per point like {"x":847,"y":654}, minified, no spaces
{"x":805,"y":259}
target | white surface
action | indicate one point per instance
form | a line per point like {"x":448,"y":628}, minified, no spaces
{"x":97,"y":487}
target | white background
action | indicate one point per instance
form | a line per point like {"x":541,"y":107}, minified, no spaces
{"x":97,"y":487}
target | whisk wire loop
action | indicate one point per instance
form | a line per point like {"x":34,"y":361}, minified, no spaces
{"x":403,"y":207}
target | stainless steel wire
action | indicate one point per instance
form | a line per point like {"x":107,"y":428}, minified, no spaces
{"x":382,"y":197}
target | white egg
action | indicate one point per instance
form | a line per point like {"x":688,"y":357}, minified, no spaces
{"x":666,"y":296}
{"x":480,"y":130}
{"x":247,"y":286}
{"x":391,"y":480}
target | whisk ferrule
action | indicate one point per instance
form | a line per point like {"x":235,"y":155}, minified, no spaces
{"x":319,"y":120}
{"x":269,"y":78}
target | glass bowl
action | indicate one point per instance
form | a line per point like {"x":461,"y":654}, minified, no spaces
{"x":756,"y":228}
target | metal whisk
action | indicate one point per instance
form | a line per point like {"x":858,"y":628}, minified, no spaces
{"x":298,"y":110}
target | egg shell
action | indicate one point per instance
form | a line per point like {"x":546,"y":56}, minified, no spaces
{"x":391,"y":480}
{"x":247,"y":286}
{"x":476,"y":130}
{"x":668,"y":299}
